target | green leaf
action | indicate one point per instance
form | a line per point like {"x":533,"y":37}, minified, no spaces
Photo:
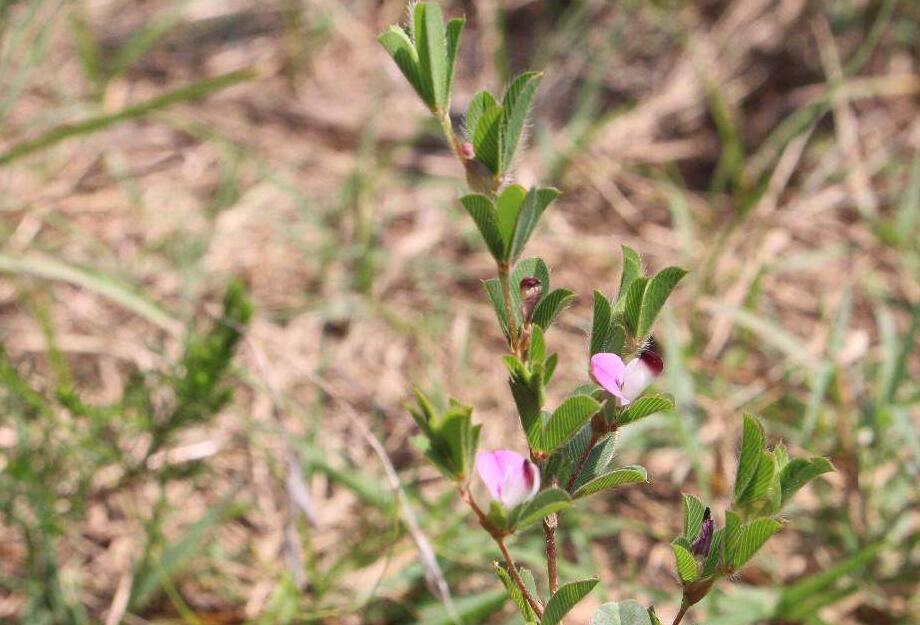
{"x":693,"y":516}
{"x":431,"y":45}
{"x":752,"y":443}
{"x":494,"y":291}
{"x":516,"y":102}
{"x":480,"y":103}
{"x":451,"y":438}
{"x":643,"y":407}
{"x":454,"y":30}
{"x":527,"y":390}
{"x":797,"y":473}
{"x":536,"y":353}
{"x":599,"y":457}
{"x":616,"y":338}
{"x":545,"y":503}
{"x":514,"y":593}
{"x":614,"y":479}
{"x":565,"y":421}
{"x":621,"y":613}
{"x":600,"y":325}
{"x":759,"y":486}
{"x":487,"y":138}
{"x":656,"y":293}
{"x":535,"y":202}
{"x":176,"y":555}
{"x":686,"y":564}
{"x":632,"y":269}
{"x":565,"y":599}
{"x":400,"y":48}
{"x":551,"y":305}
{"x":508,"y":205}
{"x":751,"y":538}
{"x":483,"y":213}
{"x":632,"y":305}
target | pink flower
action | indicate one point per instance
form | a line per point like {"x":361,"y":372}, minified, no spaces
{"x":510,"y":477}
{"x":625,"y":381}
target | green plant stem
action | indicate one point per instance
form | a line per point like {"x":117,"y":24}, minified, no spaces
{"x":552,"y":570}
{"x":504,"y":281}
{"x":680,"y":615}
{"x":499,"y":539}
{"x":512,"y":570}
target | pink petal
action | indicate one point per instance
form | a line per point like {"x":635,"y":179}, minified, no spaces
{"x":608,"y":370}
{"x":494,"y":466}
{"x":636,"y":378}
{"x":521,"y":483}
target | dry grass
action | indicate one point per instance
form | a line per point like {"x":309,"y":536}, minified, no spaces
{"x":320,"y":183}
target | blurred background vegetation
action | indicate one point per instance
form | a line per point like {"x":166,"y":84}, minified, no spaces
{"x":230,"y":243}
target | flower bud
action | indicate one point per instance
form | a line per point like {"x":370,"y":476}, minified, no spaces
{"x":700,"y":546}
{"x":531,"y":292}
{"x":510,"y":478}
{"x":467,"y":151}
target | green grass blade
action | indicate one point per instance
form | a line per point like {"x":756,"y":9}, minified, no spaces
{"x":189,"y":93}
{"x":51,"y":269}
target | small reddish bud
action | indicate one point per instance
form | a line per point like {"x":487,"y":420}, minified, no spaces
{"x":531,"y":292}
{"x":467,"y":151}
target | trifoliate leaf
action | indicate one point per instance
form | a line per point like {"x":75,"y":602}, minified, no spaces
{"x":482,"y":210}
{"x":481,"y":102}
{"x":643,"y":407}
{"x":516,"y":102}
{"x":632,"y":269}
{"x":508,"y":205}
{"x":431,"y":45}
{"x":545,"y":503}
{"x":565,"y":599}
{"x":693,"y":516}
{"x":565,"y":421}
{"x":535,"y":202}
{"x":454,"y":30}
{"x":752,"y":443}
{"x":797,"y":473}
{"x":613,"y":479}
{"x":656,"y":294}
{"x":551,"y":305}
{"x":750,"y":538}
{"x":487,"y":138}
{"x":400,"y":48}
{"x":686,"y":564}
{"x":621,"y":613}
{"x":600,"y":326}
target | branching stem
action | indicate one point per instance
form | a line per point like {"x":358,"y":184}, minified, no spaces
{"x":499,"y":539}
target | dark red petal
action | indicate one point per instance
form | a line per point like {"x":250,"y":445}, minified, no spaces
{"x":653,"y":361}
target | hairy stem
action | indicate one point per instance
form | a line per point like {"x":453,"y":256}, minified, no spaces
{"x":500,"y":541}
{"x":552,"y":570}
{"x":516,"y":576}
{"x":504,"y":280}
